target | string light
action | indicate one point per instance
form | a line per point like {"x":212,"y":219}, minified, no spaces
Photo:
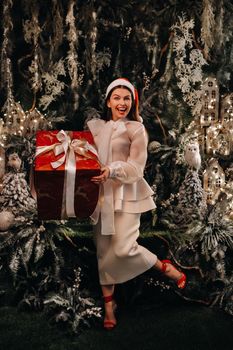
{"x":20,"y":122}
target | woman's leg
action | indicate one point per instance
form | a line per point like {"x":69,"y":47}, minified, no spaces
{"x":171,"y":272}
{"x":107,"y":290}
{"x":109,"y":305}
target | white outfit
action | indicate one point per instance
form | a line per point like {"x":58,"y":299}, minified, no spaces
{"x":122,"y":146}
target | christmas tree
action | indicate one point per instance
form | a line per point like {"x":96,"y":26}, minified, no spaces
{"x":15,"y":195}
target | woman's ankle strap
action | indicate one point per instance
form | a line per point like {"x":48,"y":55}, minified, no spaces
{"x":108,"y":298}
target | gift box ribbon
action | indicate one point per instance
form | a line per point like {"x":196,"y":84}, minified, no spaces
{"x":70,"y":147}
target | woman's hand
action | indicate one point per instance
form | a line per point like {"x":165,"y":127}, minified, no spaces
{"x":103,"y":177}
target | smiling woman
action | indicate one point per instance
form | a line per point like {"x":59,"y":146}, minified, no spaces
{"x":121,"y":141}
{"x":120,"y":103}
{"x":124,"y":94}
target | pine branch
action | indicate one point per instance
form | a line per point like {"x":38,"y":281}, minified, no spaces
{"x":28,"y":249}
{"x":9,"y":241}
{"x":39,"y":250}
{"x":15,"y":262}
{"x":197,"y":268}
{"x":199,"y":301}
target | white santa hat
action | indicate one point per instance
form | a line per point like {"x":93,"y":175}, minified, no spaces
{"x":121,"y":82}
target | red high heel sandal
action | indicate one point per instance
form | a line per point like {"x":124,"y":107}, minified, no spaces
{"x":110,"y":324}
{"x":181,"y":282}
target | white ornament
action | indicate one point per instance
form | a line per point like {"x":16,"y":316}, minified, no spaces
{"x":192,"y":155}
{"x":6,"y":220}
{"x":153,"y":146}
{"x":14,"y":161}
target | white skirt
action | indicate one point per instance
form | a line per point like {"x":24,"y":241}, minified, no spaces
{"x":120,"y":257}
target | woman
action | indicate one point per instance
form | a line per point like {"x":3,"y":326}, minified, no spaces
{"x":121,"y":141}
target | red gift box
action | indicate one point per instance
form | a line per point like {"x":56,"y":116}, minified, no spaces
{"x":64,"y":165}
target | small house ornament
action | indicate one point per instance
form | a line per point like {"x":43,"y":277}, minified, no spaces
{"x":228,"y":215}
{"x":227,"y":109}
{"x":210,"y":102}
{"x":214,"y":181}
{"x":228,"y":189}
{"x":20,"y":122}
{"x":218,"y":140}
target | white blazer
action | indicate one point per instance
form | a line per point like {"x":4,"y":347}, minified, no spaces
{"x":122,"y":146}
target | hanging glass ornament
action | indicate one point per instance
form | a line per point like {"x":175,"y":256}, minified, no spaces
{"x":6,"y":220}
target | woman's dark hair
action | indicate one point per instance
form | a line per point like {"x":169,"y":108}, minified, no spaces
{"x":133,"y":113}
